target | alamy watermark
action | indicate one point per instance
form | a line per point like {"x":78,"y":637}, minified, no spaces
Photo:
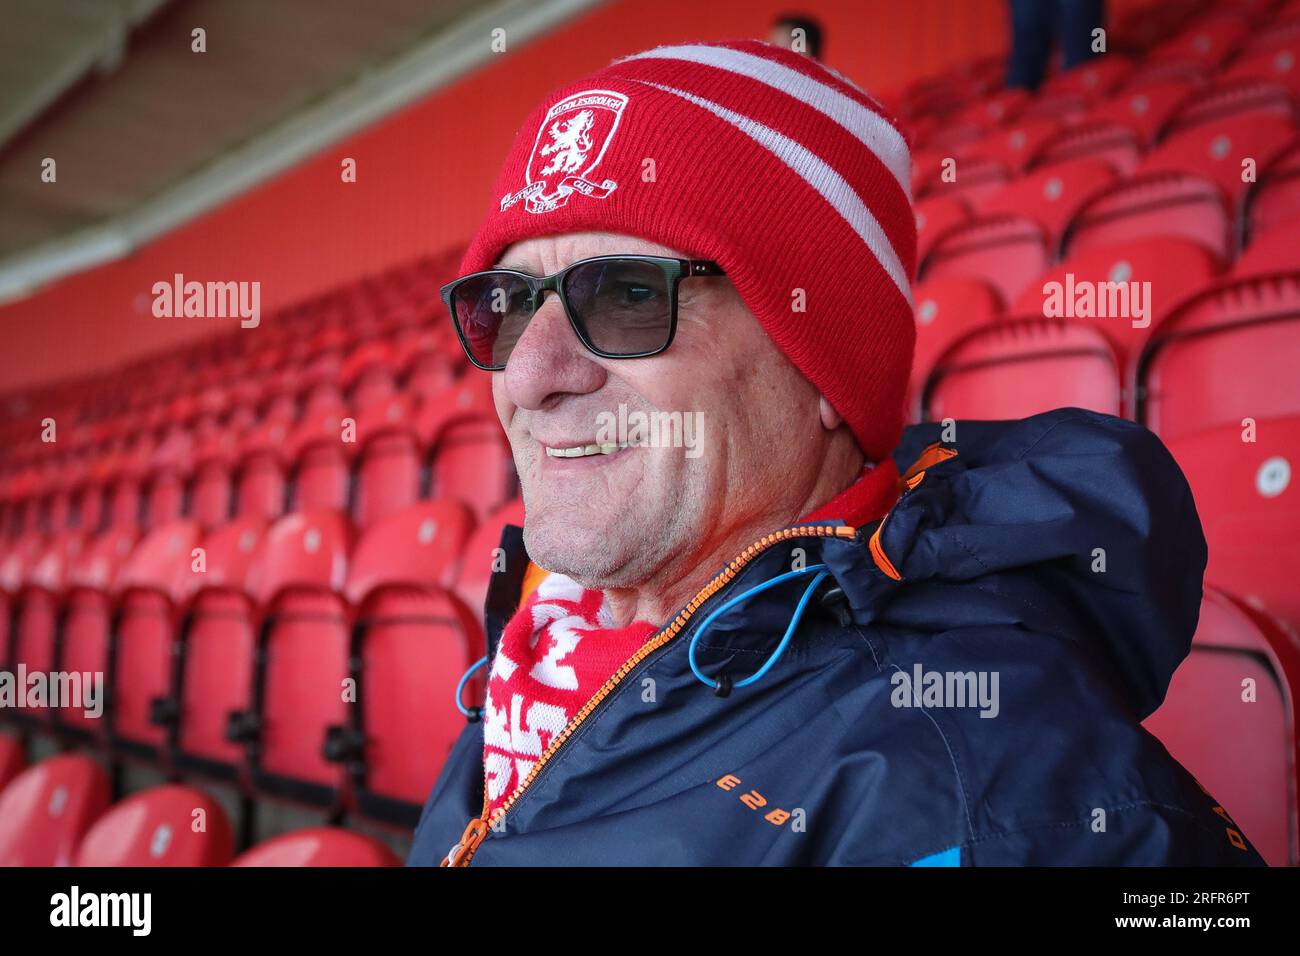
{"x":1117,"y":298}
{"x":651,"y":429}
{"x":946,"y":689}
{"x":208,"y":300}
{"x":63,"y":690}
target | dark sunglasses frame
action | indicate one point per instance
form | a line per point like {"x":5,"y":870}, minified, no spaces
{"x":675,"y":270}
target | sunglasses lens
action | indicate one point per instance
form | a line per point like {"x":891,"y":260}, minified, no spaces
{"x":621,"y":305}
{"x":492,"y":311}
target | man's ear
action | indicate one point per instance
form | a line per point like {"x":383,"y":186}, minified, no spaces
{"x":831,"y":419}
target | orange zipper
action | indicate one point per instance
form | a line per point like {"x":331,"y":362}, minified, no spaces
{"x":477,"y":828}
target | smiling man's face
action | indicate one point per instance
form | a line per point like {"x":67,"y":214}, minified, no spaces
{"x":641,"y":515}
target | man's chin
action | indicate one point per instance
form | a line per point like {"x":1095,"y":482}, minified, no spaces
{"x":574,"y":542}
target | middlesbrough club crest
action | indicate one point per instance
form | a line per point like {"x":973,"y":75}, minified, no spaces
{"x":570,"y":142}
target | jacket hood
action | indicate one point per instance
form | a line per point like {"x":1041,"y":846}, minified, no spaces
{"x":1070,"y":523}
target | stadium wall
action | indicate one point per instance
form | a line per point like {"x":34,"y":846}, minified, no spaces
{"x":424,"y":174}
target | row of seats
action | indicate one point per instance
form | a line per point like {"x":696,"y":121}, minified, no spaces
{"x":297,"y":660}
{"x":1173,"y":161}
{"x":58,"y":813}
{"x":328,"y":561}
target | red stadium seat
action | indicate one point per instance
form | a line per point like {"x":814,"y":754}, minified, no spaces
{"x":85,"y":639}
{"x":1094,"y":79}
{"x":321,"y":449}
{"x":389,"y":461}
{"x":1274,"y":201}
{"x":1210,"y":40}
{"x":47,"y":809}
{"x":413,"y":640}
{"x":1277,"y":250}
{"x":472,"y":463}
{"x":1050,"y":196}
{"x":1007,"y":252}
{"x":1020,"y":367}
{"x":1174,"y":267}
{"x":171,"y":825}
{"x":13,"y":759}
{"x":36,"y":613}
{"x":1248,"y":496}
{"x":934,"y":217}
{"x":428,"y":372}
{"x":217,"y":641}
{"x":1218,"y":150}
{"x":946,"y":309}
{"x":319,"y":846}
{"x":367,"y":374}
{"x":1239,"y":743}
{"x":1229,"y":100}
{"x":144,"y":643}
{"x":1115,"y":144}
{"x":1150,"y":205}
{"x":1145,"y":110}
{"x":212,"y":485}
{"x":1226,"y":354}
{"x":969,"y":179}
{"x":260,"y":483}
{"x":1277,"y":64}
{"x":297,"y":579}
{"x":481,"y":554}
{"x":1012,"y":146}
{"x":420,"y":545}
{"x":164,"y":485}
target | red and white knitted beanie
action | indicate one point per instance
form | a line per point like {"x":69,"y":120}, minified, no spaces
{"x":778,"y":168}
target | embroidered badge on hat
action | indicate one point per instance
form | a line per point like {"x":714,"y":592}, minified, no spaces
{"x":559,"y":167}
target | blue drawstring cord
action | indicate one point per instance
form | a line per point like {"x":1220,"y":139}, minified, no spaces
{"x":724,"y":687}
{"x":460,"y":687}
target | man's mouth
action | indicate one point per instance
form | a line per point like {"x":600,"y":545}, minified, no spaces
{"x":584,"y":451}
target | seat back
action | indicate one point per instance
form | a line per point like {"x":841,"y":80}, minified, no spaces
{"x":1229,"y":718}
{"x":1007,"y":252}
{"x":299,"y":687}
{"x":412,"y":640}
{"x":1173,"y":267}
{"x":388,"y":466}
{"x":1149,"y":205}
{"x":47,"y":809}
{"x":1227,"y":354}
{"x":481,"y":555}
{"x":13,"y":759}
{"x":1217,"y":150}
{"x":143,"y":645}
{"x":319,"y":846}
{"x":1021,"y":367}
{"x":170,"y":825}
{"x":472,"y":463}
{"x":1248,"y":497}
{"x":946,"y":309}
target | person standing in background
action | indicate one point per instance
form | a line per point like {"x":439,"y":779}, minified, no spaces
{"x":799,"y":33}
{"x":1034,"y":25}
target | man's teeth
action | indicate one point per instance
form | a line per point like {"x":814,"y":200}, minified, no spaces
{"x":581,"y":451}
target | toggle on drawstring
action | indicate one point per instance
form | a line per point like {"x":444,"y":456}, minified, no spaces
{"x":460,"y":687}
{"x":724,"y":686}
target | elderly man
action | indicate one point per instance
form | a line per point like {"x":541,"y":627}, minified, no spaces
{"x":804,"y":637}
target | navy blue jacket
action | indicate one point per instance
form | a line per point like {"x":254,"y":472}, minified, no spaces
{"x":1060,"y":555}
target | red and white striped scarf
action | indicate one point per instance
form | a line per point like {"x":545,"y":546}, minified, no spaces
{"x":555,"y":653}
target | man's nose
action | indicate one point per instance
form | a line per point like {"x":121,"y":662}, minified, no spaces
{"x":549,"y":360}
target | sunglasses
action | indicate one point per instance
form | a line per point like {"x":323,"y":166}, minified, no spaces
{"x":620,"y":307}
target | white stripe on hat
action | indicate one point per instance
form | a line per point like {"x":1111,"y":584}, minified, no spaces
{"x":867,"y":126}
{"x":818,"y":174}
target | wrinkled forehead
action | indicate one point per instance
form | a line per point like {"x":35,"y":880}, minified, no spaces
{"x":552,"y":253}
